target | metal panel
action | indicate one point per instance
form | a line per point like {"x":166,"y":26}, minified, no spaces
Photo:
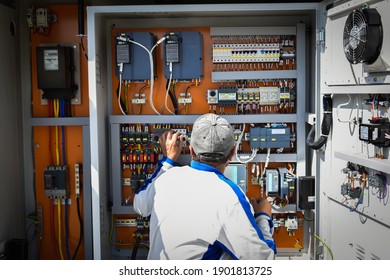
{"x":80,"y":121}
{"x":253,"y":75}
{"x":342,"y":227}
{"x":164,"y":16}
{"x":301,"y":99}
{"x":377,"y":164}
{"x":98,"y":111}
{"x":231,"y":31}
{"x":87,"y":193}
{"x":12,"y":216}
{"x":338,"y":70}
{"x":189,"y":119}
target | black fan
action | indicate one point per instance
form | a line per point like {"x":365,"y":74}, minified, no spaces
{"x":363,"y":36}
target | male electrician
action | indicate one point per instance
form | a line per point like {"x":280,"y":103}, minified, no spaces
{"x":196,"y":212}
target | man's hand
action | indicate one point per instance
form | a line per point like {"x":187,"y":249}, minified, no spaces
{"x":171,"y":144}
{"x":261,"y":205}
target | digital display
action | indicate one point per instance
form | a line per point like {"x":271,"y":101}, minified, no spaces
{"x":50,"y":58}
{"x":364,"y":132}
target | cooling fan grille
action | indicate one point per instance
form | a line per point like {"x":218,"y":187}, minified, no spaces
{"x":355,"y":37}
{"x":362,"y":38}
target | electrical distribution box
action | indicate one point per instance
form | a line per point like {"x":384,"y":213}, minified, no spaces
{"x":55,"y":70}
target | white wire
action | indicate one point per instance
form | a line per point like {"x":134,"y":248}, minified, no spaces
{"x":151,"y":74}
{"x":340,"y":105}
{"x":254,"y":151}
{"x":169,"y":85}
{"x":266,"y":162}
{"x":119,"y":93}
{"x":151,"y":68}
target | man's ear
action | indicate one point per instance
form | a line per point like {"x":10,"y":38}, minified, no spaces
{"x":232,"y":152}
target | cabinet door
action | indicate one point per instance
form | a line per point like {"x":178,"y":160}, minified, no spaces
{"x":11,"y":214}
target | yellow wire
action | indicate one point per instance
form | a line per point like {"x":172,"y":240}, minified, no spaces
{"x":56,"y":114}
{"x":56,"y":103}
{"x":59,"y":227}
{"x":57,"y":148}
{"x":326,"y":246}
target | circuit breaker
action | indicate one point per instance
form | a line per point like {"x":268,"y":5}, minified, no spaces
{"x":56,"y":181}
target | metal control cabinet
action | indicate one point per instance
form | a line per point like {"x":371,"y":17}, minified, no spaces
{"x":321,"y":69}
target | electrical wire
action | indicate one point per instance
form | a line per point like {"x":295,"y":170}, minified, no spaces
{"x":62,"y":114}
{"x":59,"y":227}
{"x":151,"y":64}
{"x":67,"y":230}
{"x":254,"y":151}
{"x":81,"y":228}
{"x":266,"y":162}
{"x":82,"y":46}
{"x":171,"y":86}
{"x":361,"y":197}
{"x":167,"y":93}
{"x":325,"y":125}
{"x":307,"y":219}
{"x":127,"y":85}
{"x":353,"y":73}
{"x":119,"y":93}
{"x":64,"y":162}
{"x":341,"y":105}
{"x":52,"y":231}
{"x":50,"y":112}
{"x":326,"y":246}
{"x":63,"y":145}
{"x":56,"y":114}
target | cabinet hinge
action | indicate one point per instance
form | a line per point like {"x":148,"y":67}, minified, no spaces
{"x":320,"y":36}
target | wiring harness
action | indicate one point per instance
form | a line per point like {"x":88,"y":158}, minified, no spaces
{"x":325,"y":126}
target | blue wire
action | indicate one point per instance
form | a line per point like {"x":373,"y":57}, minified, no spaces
{"x":62,"y":110}
{"x":360,"y":201}
{"x":63,"y":145}
{"x":61,"y":107}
